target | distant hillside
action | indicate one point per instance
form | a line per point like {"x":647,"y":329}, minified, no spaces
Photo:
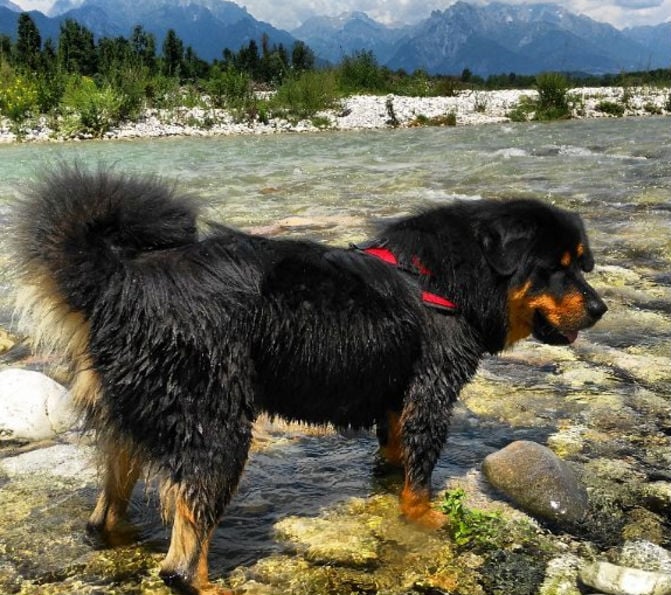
{"x":492,"y":39}
{"x":331,"y":38}
{"x":208,"y":26}
{"x":657,"y":42}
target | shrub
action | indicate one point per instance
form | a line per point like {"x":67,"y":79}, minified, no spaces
{"x":652,"y":108}
{"x":523,"y":111}
{"x":95,"y":109}
{"x":229,"y":88}
{"x":307,"y":94}
{"x":18,"y":96}
{"x":612,"y":108}
{"x":552,"y":103}
{"x":361,"y":73}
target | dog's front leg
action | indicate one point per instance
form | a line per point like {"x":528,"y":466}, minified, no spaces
{"x":424,"y":424}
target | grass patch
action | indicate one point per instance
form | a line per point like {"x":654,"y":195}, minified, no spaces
{"x":612,"y":108}
{"x":470,"y":527}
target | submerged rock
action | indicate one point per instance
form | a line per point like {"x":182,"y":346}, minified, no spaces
{"x":32,"y":406}
{"x":347,"y":543}
{"x":621,"y":580}
{"x":537,"y":481}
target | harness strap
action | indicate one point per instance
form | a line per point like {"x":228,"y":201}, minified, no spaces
{"x":430,"y":299}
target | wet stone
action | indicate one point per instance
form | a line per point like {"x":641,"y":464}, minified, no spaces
{"x":537,"y":481}
{"x":646,"y":556}
{"x":621,"y":580}
{"x":33,"y":406}
{"x":347,"y":543}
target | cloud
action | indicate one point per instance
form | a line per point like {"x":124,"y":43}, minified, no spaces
{"x":638,"y":4}
{"x":292,"y":13}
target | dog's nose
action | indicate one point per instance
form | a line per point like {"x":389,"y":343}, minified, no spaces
{"x":596,"y":308}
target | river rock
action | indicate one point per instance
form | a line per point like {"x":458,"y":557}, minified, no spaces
{"x":646,"y":556}
{"x":66,"y":461}
{"x":32,"y":406}
{"x":621,"y":580}
{"x":323,"y":541}
{"x":537,"y":481}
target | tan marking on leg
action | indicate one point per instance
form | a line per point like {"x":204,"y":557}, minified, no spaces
{"x":121,"y":473}
{"x":416,"y":507}
{"x":189,"y":546}
{"x":392,"y":451}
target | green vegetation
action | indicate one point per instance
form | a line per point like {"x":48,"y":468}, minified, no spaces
{"x":471,"y":527}
{"x":552,"y":101}
{"x":612,"y":108}
{"x":85,"y":86}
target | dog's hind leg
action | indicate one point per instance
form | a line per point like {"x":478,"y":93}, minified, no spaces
{"x":107,"y":521}
{"x":198,"y":501}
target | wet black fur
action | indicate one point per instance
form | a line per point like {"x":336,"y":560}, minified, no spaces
{"x":192,"y":336}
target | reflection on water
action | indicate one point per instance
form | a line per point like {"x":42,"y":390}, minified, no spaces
{"x":606,"y":398}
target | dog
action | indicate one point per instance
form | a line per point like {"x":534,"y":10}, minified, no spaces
{"x":179,"y":332}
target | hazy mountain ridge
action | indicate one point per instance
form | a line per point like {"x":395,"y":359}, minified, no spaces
{"x":491,"y":39}
{"x":208,"y":26}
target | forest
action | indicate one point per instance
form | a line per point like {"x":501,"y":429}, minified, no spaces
{"x":86,"y":84}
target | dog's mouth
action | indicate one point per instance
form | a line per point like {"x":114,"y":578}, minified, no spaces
{"x":547,"y":333}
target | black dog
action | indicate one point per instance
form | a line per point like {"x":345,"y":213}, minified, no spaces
{"x":177,"y":341}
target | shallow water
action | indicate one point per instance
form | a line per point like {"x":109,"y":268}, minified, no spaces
{"x":603,"y":400}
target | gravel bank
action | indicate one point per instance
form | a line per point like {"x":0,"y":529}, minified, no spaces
{"x":370,"y":112}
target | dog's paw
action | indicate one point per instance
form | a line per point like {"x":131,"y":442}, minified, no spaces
{"x":416,"y":507}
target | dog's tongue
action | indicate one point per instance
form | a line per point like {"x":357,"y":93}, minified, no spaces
{"x":571,"y":335}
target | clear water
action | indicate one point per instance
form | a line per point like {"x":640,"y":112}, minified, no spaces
{"x":333,"y":186}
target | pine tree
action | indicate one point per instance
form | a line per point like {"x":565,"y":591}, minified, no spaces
{"x":76,"y":49}
{"x":173,"y":54}
{"x":28,"y":49}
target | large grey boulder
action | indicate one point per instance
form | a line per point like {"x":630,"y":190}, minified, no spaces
{"x":537,"y":481}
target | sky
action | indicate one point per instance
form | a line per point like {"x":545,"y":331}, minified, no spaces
{"x":289,"y":14}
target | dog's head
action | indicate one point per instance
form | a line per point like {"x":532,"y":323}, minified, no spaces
{"x":543,"y":251}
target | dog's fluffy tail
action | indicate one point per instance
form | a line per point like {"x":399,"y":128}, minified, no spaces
{"x":76,"y":227}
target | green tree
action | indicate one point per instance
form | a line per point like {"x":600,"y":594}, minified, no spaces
{"x":194,"y":67}
{"x":76,"y":49}
{"x":173,"y":54}
{"x":302,"y":57}
{"x":28,"y":44}
{"x":143,"y":45}
{"x":248,"y":60}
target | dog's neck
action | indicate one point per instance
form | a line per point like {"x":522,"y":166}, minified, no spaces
{"x":460,"y":273}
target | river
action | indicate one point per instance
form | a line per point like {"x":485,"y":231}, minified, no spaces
{"x":602,"y":404}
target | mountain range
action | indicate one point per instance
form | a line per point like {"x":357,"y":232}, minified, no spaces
{"x":486,"y":39}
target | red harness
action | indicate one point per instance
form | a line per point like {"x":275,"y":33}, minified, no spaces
{"x":430,"y":299}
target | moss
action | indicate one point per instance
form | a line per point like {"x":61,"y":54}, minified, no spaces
{"x":513,"y":573}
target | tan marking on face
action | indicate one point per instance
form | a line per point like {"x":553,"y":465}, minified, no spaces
{"x":520,"y":315}
{"x":565,"y":312}
{"x":580,"y":250}
{"x":566,"y":259}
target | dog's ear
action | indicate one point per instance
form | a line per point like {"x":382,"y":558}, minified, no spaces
{"x":503,"y":247}
{"x":585,"y":256}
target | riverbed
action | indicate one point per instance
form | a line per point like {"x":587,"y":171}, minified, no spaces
{"x":601,"y":404}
